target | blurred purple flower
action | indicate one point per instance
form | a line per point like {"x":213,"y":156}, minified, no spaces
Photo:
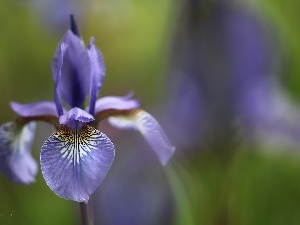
{"x":76,"y":158}
{"x":221,"y":65}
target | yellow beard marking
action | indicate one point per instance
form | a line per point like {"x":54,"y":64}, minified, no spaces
{"x":77,"y":143}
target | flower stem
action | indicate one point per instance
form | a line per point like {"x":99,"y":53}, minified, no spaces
{"x":86,"y":210}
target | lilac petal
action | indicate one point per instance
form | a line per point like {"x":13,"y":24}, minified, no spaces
{"x":56,"y":73}
{"x":74,"y":83}
{"x":35,"y":109}
{"x":75,"y":117}
{"x":150,"y":129}
{"x":16,"y":161}
{"x":74,"y":162}
{"x":117,"y":103}
{"x":97,"y":74}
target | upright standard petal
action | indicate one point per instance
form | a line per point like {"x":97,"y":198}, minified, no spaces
{"x":150,"y":129}
{"x":74,"y":82}
{"x":16,"y":161}
{"x":56,"y":73}
{"x":74,"y":162}
{"x":97,"y":74}
{"x":35,"y":109}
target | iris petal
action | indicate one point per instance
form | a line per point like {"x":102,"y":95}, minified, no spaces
{"x":117,"y":103}
{"x":97,"y":73}
{"x":35,"y":109}
{"x":150,"y":129}
{"x":74,"y":83}
{"x":74,"y":162}
{"x":56,"y":73}
{"x":16,"y":161}
{"x":75,"y":115}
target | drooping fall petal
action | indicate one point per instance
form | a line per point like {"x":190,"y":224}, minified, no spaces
{"x":74,"y":162}
{"x":151,"y":130}
{"x":16,"y":161}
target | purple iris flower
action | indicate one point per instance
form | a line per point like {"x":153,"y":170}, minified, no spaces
{"x":76,"y":158}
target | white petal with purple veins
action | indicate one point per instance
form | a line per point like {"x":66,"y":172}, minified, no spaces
{"x":74,"y":162}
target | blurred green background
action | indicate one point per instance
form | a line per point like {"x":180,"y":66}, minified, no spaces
{"x":253,"y":187}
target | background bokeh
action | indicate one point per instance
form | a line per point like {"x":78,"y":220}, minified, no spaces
{"x":221,"y":76}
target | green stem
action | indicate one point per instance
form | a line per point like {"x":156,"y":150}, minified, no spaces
{"x":86,"y":211}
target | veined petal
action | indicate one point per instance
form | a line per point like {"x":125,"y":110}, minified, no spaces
{"x":117,"y":103}
{"x":75,"y":118}
{"x":16,"y":161}
{"x":150,"y":129}
{"x":74,"y":82}
{"x":35,"y":109}
{"x":97,"y":73}
{"x":74,"y":162}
